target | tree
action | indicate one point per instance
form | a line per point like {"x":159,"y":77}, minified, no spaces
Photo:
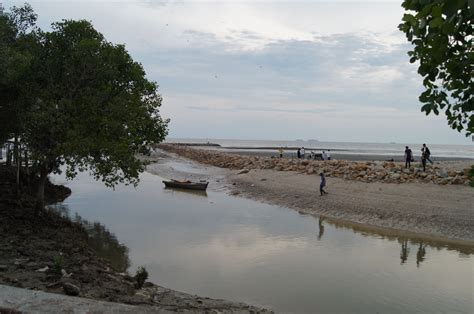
{"x":442,"y":32}
{"x":17,"y":37}
{"x":94,"y":109}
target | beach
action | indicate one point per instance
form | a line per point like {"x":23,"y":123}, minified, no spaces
{"x":432,"y":208}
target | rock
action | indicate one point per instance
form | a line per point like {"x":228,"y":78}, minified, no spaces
{"x":3,"y":267}
{"x":263,"y":179}
{"x":395,"y":176}
{"x":243,"y":171}
{"x":42,"y":270}
{"x":443,"y":173}
{"x":71,"y":289}
{"x":458,"y":180}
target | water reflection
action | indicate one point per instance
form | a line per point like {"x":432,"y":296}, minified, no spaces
{"x":420,"y":254}
{"x":184,"y":191}
{"x":321,"y":227}
{"x":226,"y":247}
{"x":405,"y":250}
{"x":103,"y":242}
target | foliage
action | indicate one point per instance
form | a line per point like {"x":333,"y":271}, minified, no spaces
{"x":58,"y":264}
{"x":96,"y":110}
{"x":17,"y":36}
{"x":140,"y":277}
{"x":470,"y":174}
{"x":75,"y":99}
{"x":441,"y":32}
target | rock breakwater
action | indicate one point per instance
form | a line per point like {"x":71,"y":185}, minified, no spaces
{"x":369,"y":171}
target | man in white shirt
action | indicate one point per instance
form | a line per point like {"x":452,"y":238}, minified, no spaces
{"x":328,"y":154}
{"x":302,"y":152}
{"x":325,"y":157}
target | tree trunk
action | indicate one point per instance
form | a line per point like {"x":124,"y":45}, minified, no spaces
{"x":27,"y":168}
{"x":40,"y":192}
{"x":16,"y":150}
{"x":9,"y":155}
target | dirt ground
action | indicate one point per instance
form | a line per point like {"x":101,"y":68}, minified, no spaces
{"x":435,"y":210}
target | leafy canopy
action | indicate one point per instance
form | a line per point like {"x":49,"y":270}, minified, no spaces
{"x":441,"y":32}
{"x":17,"y":36}
{"x":94,"y":108}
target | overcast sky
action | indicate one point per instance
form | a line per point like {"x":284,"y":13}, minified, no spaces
{"x":327,"y":70}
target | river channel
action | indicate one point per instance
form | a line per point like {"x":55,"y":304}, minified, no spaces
{"x":228,"y":247}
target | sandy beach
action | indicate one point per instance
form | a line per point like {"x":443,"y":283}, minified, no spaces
{"x":425,"y":209}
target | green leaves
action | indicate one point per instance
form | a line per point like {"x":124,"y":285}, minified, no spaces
{"x":76,"y":99}
{"x":441,"y":33}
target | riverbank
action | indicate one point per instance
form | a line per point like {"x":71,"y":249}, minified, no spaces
{"x":52,"y":254}
{"x":415,"y":202}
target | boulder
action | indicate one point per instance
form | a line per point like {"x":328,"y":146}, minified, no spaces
{"x":71,"y":289}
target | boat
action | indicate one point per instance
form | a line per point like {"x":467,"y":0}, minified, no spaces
{"x":186,"y":184}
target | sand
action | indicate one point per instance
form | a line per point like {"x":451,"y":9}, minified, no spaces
{"x":438,"y":211}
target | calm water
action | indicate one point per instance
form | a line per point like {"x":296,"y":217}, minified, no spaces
{"x":225,"y":247}
{"x":383,"y":149}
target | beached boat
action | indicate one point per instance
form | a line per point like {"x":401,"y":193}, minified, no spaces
{"x":189,"y":185}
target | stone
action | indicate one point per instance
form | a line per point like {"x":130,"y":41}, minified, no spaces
{"x":243,"y":171}
{"x":443,"y":173}
{"x":71,"y":289}
{"x":3,"y":267}
{"x":395,"y":176}
{"x":42,"y":270}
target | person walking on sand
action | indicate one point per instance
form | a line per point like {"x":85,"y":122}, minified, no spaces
{"x":322,"y":184}
{"x":280,"y":151}
{"x":423,"y":159}
{"x":408,"y":157}
{"x":427,"y":153}
{"x":302,"y":152}
{"x":298,"y":153}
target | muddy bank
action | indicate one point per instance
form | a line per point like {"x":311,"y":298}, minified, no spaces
{"x":431,"y":209}
{"x":50,"y":253}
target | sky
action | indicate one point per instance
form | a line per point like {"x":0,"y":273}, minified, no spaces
{"x":282,"y":70}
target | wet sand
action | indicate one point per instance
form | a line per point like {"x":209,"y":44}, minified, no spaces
{"x":428,"y":210}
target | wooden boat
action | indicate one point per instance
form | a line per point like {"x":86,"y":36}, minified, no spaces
{"x":189,"y":185}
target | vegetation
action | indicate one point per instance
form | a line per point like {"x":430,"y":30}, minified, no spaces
{"x":140,"y":277}
{"x":470,"y":174}
{"x":75,"y":101}
{"x":58,"y":264}
{"x":441,"y":32}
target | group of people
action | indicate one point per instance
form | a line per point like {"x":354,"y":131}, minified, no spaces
{"x":425,"y":156}
{"x":301,"y":154}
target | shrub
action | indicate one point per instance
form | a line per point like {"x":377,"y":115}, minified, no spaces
{"x":58,"y":264}
{"x":140,"y":277}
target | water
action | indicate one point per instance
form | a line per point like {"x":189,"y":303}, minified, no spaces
{"x":382,"y":149}
{"x":220,"y":246}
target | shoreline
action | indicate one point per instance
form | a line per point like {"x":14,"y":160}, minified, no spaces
{"x":394,"y":207}
{"x":54,"y":254}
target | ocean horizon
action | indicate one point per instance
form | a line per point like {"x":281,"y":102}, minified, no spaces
{"x":367,"y":148}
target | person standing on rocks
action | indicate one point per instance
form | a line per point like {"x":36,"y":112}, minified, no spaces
{"x":280,"y":151}
{"x":328,"y":154}
{"x":298,"y":153}
{"x":427,"y":153}
{"x":408,"y":157}
{"x":423,"y":159}
{"x":302,"y":152}
{"x":322,"y":184}
{"x":324,"y":155}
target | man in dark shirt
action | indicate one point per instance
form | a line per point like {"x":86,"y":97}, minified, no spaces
{"x":322,"y":184}
{"x":408,"y":157}
{"x":427,"y":152}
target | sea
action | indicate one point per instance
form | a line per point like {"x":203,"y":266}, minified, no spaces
{"x":380,"y":149}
